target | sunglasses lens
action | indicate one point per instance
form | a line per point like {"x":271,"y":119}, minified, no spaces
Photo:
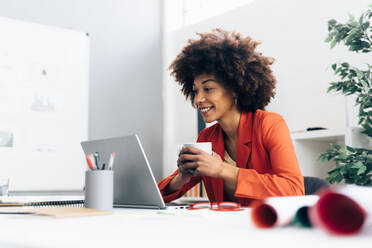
{"x":216,"y":206}
{"x":229,"y":205}
{"x":225,"y":206}
{"x":200,"y":206}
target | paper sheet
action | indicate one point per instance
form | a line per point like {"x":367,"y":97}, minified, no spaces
{"x":64,"y":212}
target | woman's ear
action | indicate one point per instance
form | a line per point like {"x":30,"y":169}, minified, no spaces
{"x":235,"y":97}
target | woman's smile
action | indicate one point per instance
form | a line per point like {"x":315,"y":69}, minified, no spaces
{"x":212,"y":99}
{"x":205,"y":110}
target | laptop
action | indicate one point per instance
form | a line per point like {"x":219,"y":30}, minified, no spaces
{"x":134,"y":182}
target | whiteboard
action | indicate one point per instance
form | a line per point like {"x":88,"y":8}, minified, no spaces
{"x":44,"y":83}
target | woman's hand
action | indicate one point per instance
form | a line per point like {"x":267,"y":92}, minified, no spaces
{"x":195,"y":162}
{"x":184,"y":175}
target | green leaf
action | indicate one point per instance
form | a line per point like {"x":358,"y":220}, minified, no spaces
{"x":332,"y":22}
{"x":338,"y":178}
{"x":333,"y":43}
{"x":361,"y":20}
{"x":335,"y":146}
{"x":361,"y":170}
{"x":342,"y":156}
{"x":328,"y":39}
{"x":365,"y":25}
{"x":350,"y":149}
{"x":333,"y":174}
{"x":357,"y":165}
{"x":343,"y":149}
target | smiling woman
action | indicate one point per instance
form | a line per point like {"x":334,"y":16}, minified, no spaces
{"x":228,"y":81}
{"x":212,"y":99}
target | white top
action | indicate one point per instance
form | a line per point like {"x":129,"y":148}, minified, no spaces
{"x":228,"y":159}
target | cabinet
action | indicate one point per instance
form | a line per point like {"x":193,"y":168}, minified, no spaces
{"x":309,"y":145}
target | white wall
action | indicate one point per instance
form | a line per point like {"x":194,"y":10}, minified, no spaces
{"x":293,"y":32}
{"x":125,"y":66}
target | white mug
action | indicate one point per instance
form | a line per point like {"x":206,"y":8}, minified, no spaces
{"x":204,"y":146}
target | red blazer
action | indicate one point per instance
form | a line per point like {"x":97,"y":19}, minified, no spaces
{"x":265,"y":155}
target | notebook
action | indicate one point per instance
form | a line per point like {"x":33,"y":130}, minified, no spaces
{"x":32,"y":204}
{"x":53,"y":205}
{"x":42,"y":200}
{"x":55,"y":211}
{"x":74,"y":203}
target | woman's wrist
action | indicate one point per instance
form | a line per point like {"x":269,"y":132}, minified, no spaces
{"x":228,"y":172}
{"x":177,"y":182}
{"x":172,"y":185}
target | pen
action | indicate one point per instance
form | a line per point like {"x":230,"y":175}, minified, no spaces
{"x":103,"y":166}
{"x":96,"y":156}
{"x":92,"y":160}
{"x":89,"y":163}
{"x":111,"y":162}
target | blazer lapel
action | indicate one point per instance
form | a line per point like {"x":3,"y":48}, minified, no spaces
{"x":218,"y":147}
{"x":244,"y":148}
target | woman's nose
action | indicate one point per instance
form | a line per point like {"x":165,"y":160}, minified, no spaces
{"x":199,"y":98}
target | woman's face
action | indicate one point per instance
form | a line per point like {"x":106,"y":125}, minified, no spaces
{"x":212,"y":100}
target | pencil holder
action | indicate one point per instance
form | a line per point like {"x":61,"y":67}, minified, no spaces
{"x":99,"y":189}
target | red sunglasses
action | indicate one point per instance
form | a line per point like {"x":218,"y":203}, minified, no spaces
{"x":217,"y":206}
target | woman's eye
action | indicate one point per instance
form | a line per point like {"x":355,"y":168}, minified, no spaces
{"x":207,"y":89}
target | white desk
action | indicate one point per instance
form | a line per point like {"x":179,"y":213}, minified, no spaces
{"x":163,"y":228}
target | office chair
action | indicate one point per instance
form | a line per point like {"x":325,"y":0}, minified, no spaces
{"x":313,"y":184}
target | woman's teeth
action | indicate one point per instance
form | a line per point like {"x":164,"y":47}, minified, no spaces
{"x":203,"y":110}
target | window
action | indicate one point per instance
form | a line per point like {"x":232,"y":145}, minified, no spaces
{"x":198,"y":10}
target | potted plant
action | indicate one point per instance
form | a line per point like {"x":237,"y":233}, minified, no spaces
{"x":353,"y":165}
